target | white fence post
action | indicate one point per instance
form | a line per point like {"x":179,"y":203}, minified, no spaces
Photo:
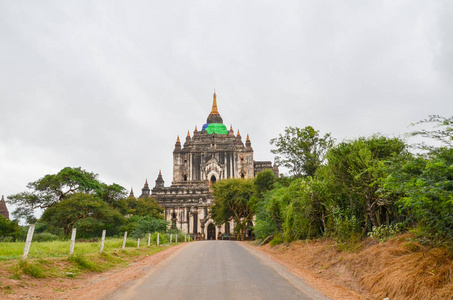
{"x":102,"y":241}
{"x":124,"y":240}
{"x":149,"y":239}
{"x":138,"y":243}
{"x":158,"y":239}
{"x":31,"y":230}
{"x":73,"y":235}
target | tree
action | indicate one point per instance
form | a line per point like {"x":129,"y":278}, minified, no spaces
{"x":82,"y":208}
{"x":356,"y":170}
{"x":301,"y":150}
{"x":263,"y":182}
{"x":425,"y":183}
{"x":9,"y":229}
{"x":144,"y":206}
{"x":442,"y":131}
{"x":53,"y":188}
{"x":233,"y":200}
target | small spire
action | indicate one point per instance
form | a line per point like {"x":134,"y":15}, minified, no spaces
{"x":214,"y":110}
{"x":239,"y":134}
{"x":132,"y":193}
{"x":188,"y":134}
{"x":231,"y":127}
{"x":160,"y":173}
{"x":177,"y":140}
{"x":196,"y":129}
{"x":248,"y":138}
{"x":146,"y":181}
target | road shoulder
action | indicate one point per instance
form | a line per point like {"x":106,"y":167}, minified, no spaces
{"x":312,"y":281}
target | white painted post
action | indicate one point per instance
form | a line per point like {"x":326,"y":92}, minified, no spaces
{"x":149,"y":239}
{"x":124,"y":240}
{"x":73,"y":235}
{"x":102,"y":241}
{"x":158,"y":239}
{"x":31,"y":229}
{"x":138,"y":243}
{"x":171,"y":237}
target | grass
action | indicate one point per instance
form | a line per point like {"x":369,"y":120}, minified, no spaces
{"x":51,"y":259}
{"x":14,"y":250}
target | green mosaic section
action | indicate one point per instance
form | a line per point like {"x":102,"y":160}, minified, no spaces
{"x":216,"y":128}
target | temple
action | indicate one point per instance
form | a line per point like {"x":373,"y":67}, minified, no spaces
{"x":211,"y":154}
{"x":3,"y":209}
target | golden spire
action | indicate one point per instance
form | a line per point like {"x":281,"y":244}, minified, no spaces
{"x":231,"y":127}
{"x":177,"y":140}
{"x":239,"y":134}
{"x":196,"y":130}
{"x":214,"y":111}
{"x":248,"y":138}
{"x":188,"y":134}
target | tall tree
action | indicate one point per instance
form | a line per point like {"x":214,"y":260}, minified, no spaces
{"x":233,"y":200}
{"x":425,"y":182}
{"x":301,"y":150}
{"x":53,"y":188}
{"x":80,"y":206}
{"x":357,"y":170}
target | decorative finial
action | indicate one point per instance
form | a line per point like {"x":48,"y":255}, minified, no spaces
{"x":160,"y":173}
{"x":196,"y":129}
{"x":239,"y":134}
{"x":177,"y":140}
{"x":214,"y":110}
{"x":146,"y":181}
{"x":188,"y":134}
{"x":231,"y":127}
{"x":248,"y":138}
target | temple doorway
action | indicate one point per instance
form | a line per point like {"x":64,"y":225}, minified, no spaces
{"x":211,"y":231}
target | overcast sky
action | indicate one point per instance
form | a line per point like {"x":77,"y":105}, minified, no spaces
{"x":109,"y":85}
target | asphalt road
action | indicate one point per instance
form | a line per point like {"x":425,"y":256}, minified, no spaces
{"x":217,"y":270}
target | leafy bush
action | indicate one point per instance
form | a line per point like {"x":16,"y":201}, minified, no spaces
{"x":277,"y":240}
{"x":148,"y":224}
{"x":44,"y":237}
{"x":384,"y":232}
{"x":343,"y":225}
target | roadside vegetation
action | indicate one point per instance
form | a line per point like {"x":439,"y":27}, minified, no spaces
{"x":350,"y":194}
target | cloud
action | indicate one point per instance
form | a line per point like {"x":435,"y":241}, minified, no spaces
{"x":108,"y":85}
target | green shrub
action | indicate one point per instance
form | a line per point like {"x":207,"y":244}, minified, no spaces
{"x":384,"y":232}
{"x":344,"y":226}
{"x":30,"y":268}
{"x":277,"y":240}
{"x":85,"y":264}
{"x":44,"y":237}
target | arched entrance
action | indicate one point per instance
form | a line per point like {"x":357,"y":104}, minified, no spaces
{"x":213,"y":180}
{"x":211,"y":231}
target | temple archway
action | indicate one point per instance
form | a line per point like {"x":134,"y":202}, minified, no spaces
{"x":211,"y":231}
